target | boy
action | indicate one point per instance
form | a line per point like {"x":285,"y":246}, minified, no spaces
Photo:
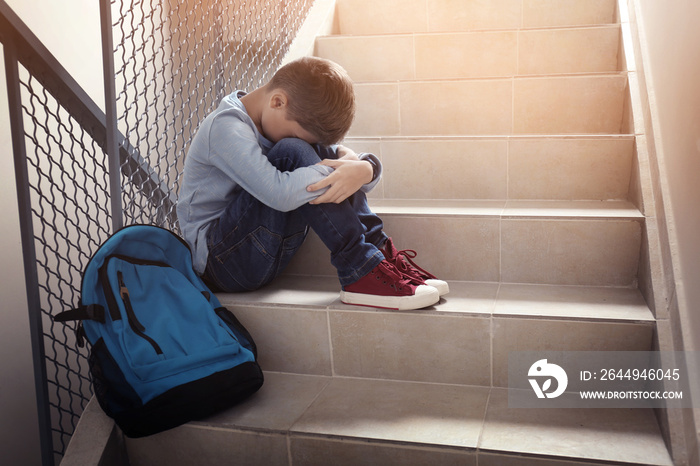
{"x":262,"y":168}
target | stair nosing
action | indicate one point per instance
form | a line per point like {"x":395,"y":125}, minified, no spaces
{"x":473,"y":31}
{"x":529,"y":136}
{"x":512,"y":77}
{"x":486,"y":307}
{"x":512,"y":209}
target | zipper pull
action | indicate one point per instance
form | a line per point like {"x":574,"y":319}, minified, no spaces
{"x":80,"y":335}
{"x":123,"y":290}
{"x":124,"y":293}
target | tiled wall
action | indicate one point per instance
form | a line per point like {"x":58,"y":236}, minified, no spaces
{"x":472,"y":348}
{"x":455,"y":15}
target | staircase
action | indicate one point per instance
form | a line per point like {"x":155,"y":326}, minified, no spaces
{"x":509,"y":167}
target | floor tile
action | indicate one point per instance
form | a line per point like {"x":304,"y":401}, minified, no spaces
{"x":587,"y":252}
{"x":467,"y":298}
{"x":569,"y":167}
{"x":571,"y":209}
{"x":289,"y":290}
{"x":371,"y":58}
{"x":582,"y":104}
{"x":377,"y":112}
{"x":461,"y":15}
{"x":543,"y":13}
{"x":311,"y":451}
{"x":417,"y":347}
{"x":568,"y":50}
{"x":281,"y":400}
{"x":487,"y":208}
{"x":451,"y":247}
{"x":197,"y":445}
{"x":460,"y":107}
{"x":572,"y":302}
{"x":466,"y":55}
{"x":625,"y":435}
{"x":514,"y":334}
{"x":397,"y":411}
{"x":276,"y":331}
{"x":453,"y":169}
{"x":500,"y":459}
{"x":353,"y":19}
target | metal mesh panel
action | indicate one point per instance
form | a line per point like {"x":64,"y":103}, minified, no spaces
{"x":174,"y":61}
{"x":70,"y":213}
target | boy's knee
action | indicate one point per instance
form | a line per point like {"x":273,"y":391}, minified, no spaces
{"x":290,"y":153}
{"x":294,"y":145}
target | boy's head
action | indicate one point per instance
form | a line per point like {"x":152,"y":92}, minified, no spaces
{"x":320,"y":97}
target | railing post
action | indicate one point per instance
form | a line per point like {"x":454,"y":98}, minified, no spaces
{"x":36,"y":328}
{"x":112,"y":146}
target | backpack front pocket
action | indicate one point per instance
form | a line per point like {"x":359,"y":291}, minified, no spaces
{"x":167,"y":323}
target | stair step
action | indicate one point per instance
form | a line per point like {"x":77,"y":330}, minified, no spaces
{"x":548,"y":242}
{"x":474,"y":54}
{"x":316,"y":420}
{"x":465,"y":339}
{"x":460,"y":15}
{"x":581,"y":104}
{"x":507,"y":167}
{"x":510,"y":209}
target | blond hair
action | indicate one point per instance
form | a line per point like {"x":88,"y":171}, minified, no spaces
{"x":320,"y":97}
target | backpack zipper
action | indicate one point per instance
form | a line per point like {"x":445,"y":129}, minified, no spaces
{"x":109,"y":294}
{"x":134,"y":323}
{"x":108,"y":290}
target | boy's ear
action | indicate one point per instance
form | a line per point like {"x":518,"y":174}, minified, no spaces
{"x":278,"y":100}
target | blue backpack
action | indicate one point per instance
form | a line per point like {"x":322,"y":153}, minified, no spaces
{"x":163,"y":349}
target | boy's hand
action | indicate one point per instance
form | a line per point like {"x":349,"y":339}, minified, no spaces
{"x":349,"y":175}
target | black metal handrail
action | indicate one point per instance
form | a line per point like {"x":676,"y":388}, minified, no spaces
{"x":23,"y":49}
{"x":41,"y":64}
{"x":82,"y":172}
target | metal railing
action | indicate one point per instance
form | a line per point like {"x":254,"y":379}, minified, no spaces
{"x":174,"y":61}
{"x":83,"y":173}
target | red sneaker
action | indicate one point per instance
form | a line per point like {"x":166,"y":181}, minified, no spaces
{"x":387,"y":287}
{"x":402,"y":260}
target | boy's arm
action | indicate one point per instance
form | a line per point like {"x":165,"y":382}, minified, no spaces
{"x":352,"y":172}
{"x":234,"y":149}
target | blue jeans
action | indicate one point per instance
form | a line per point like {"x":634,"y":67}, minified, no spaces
{"x":251,"y":243}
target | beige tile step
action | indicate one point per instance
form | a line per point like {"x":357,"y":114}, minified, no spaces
{"x":543,"y":242}
{"x":465,"y":339}
{"x":315,"y":420}
{"x":397,"y":16}
{"x":474,"y":54}
{"x":581,"y":104}
{"x":508,"y":167}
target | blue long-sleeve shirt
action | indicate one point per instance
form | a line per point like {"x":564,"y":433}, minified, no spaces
{"x":228,"y":153}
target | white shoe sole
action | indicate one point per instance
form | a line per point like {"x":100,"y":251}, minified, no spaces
{"x":425,"y":296}
{"x":441,"y":285}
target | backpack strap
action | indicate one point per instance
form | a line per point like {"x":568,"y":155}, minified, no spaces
{"x":90,"y":312}
{"x":80,"y":335}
